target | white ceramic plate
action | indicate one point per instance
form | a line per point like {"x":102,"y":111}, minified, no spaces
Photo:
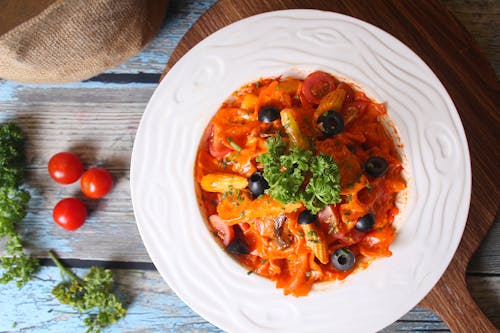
{"x":300,"y":41}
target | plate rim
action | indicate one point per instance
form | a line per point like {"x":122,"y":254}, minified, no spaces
{"x":455,"y":119}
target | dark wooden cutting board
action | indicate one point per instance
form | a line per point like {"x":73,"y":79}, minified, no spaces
{"x":443,"y":43}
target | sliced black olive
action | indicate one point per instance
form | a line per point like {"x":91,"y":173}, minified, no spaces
{"x":306,"y":217}
{"x":376,"y":166}
{"x":268,"y":114}
{"x":238,"y":246}
{"x":257,"y":184}
{"x":331,"y":123}
{"x":343,"y":259}
{"x":365,"y":223}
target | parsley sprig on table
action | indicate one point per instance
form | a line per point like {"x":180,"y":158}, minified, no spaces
{"x":16,"y":265}
{"x":92,"y":295}
{"x":296,"y":174}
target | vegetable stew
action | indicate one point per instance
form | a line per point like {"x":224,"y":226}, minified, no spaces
{"x":299,"y":179}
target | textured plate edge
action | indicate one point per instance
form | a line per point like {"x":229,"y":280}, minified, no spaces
{"x":455,"y":118}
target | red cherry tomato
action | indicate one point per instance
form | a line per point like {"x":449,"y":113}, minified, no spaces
{"x":65,"y":167}
{"x":376,"y":243}
{"x":349,"y":97}
{"x":96,"y":182}
{"x":215,"y":145}
{"x":224,"y":231}
{"x":317,"y":85}
{"x":70,"y":213}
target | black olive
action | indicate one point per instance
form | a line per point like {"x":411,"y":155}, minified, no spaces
{"x":257,"y":184}
{"x":365,"y":223}
{"x":268,"y":114}
{"x":305,"y":217}
{"x":238,"y":246}
{"x":331,"y":123}
{"x":343,"y":259}
{"x":376,"y":166}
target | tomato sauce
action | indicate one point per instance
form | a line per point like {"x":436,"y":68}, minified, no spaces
{"x":263,"y":234}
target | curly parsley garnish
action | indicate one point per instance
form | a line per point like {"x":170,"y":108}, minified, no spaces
{"x":92,"y":295}
{"x":296,"y":174}
{"x":16,"y":265}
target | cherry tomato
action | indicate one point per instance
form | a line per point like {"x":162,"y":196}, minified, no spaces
{"x":216,"y":146}
{"x":349,"y":97}
{"x":317,"y":85}
{"x":65,"y":167}
{"x":224,"y":231}
{"x":376,"y":243}
{"x":96,"y":182}
{"x":70,"y":213}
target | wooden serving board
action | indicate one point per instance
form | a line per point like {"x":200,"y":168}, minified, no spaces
{"x":443,"y":43}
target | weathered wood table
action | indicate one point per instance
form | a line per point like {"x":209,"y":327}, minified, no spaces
{"x":98,"y":119}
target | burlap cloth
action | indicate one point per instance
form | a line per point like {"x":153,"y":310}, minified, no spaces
{"x":58,"y":41}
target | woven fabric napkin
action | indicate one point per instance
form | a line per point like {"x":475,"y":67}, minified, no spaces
{"x":58,"y":41}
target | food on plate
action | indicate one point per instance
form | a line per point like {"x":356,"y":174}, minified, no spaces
{"x":299,"y":179}
{"x":65,"y":167}
{"x":69,"y":213}
{"x":96,"y":182}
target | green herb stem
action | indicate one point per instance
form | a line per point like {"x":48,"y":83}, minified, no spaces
{"x":64,"y":269}
{"x":93,"y":295}
{"x":234,"y":144}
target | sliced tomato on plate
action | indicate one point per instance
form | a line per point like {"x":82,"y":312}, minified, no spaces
{"x":224,"y":231}
{"x":376,"y":243}
{"x":317,"y":85}
{"x":349,"y":97}
{"x":216,"y":145}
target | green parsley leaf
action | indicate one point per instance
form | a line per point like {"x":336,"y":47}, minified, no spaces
{"x":92,"y":295}
{"x":19,"y":268}
{"x":286,"y":171}
{"x":324,"y":186}
{"x":12,"y":157}
{"x":16,"y":265}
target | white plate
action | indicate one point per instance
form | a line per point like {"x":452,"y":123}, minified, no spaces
{"x":300,"y":41}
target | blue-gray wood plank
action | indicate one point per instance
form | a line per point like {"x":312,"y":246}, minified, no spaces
{"x":152,"y":307}
{"x":118,"y":96}
{"x":181,"y":15}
